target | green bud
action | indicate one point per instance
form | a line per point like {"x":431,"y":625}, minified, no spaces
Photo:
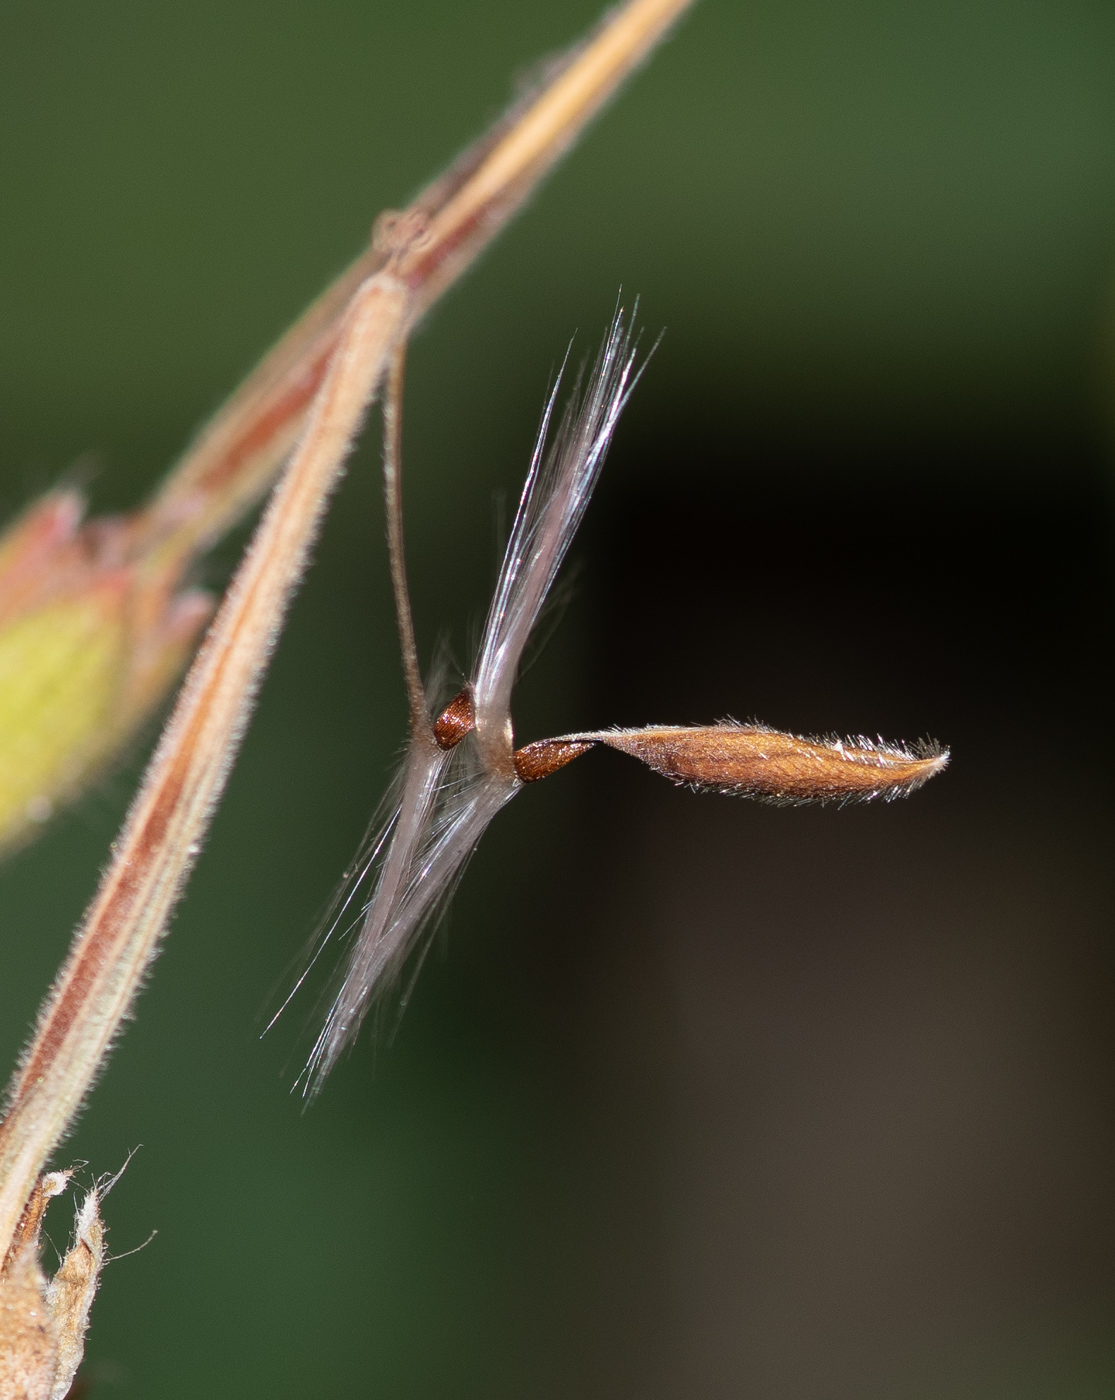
{"x":90,"y":642}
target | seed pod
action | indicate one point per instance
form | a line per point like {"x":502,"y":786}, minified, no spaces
{"x":750,"y":760}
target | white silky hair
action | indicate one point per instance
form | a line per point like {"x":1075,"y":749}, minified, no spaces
{"x":442,"y":801}
{"x":563,"y":471}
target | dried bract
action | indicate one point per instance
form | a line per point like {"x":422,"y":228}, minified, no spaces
{"x":71,"y":1291}
{"x":43,"y":1324}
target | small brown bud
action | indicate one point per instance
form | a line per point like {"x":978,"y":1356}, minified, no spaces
{"x":455,"y":721}
{"x":540,"y":759}
{"x":750,"y":760}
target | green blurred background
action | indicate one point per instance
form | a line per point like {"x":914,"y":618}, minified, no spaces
{"x":694,"y":1098}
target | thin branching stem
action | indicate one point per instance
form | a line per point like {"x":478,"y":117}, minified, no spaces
{"x":393,"y":506}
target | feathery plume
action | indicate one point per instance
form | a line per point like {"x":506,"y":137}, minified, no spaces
{"x":449,"y":791}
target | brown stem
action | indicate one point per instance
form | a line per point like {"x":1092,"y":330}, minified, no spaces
{"x":393,"y":504}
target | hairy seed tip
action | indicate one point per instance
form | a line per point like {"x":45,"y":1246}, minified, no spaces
{"x":751,"y":760}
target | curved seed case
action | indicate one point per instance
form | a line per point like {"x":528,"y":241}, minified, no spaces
{"x":750,"y":760}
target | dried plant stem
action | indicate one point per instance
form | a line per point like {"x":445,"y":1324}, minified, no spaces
{"x":396,"y":550}
{"x":333,"y":359}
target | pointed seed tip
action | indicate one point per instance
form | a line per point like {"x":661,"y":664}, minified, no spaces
{"x":538,"y":760}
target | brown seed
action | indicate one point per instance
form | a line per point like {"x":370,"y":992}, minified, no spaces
{"x":750,"y":760}
{"x":539,"y":760}
{"x":455,"y":721}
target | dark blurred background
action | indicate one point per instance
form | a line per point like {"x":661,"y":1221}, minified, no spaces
{"x":694,"y":1097}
